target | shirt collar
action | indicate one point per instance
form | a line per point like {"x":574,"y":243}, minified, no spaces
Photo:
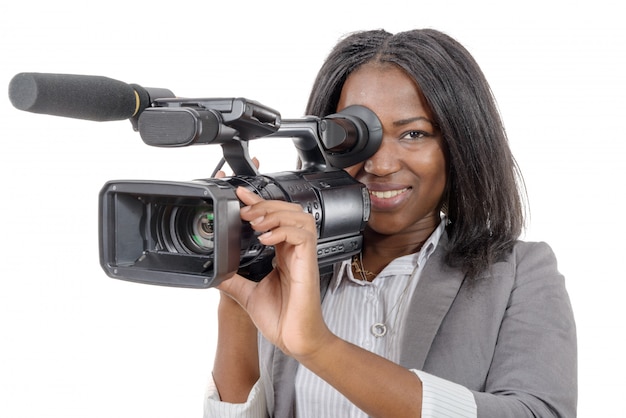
{"x":402,"y":265}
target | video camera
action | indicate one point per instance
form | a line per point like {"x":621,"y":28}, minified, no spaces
{"x":190,"y":234}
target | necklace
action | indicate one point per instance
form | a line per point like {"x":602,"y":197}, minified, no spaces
{"x":357,"y":268}
{"x":379,"y":329}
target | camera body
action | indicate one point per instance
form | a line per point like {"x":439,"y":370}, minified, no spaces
{"x":190,"y":234}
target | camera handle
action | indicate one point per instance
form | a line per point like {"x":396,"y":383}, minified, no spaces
{"x":238,"y":158}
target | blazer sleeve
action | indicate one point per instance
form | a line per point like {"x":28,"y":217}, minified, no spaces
{"x":534,"y":368}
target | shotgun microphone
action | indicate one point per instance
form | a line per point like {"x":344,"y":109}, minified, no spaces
{"x":88,"y":97}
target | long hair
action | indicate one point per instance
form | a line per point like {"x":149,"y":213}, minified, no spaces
{"x":484,"y":194}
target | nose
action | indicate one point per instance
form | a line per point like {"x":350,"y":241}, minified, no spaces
{"x":385,"y":161}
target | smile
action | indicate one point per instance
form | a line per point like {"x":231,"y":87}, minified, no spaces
{"x":387,"y":194}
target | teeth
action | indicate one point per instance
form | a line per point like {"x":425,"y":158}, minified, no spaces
{"x":388,"y":193}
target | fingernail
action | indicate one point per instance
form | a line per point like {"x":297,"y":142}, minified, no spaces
{"x":265,"y":235}
{"x":257,"y":220}
{"x":244,"y":189}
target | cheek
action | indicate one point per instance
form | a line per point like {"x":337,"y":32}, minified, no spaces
{"x":431,"y":168}
{"x":436,"y":165}
{"x":439,"y":182}
{"x":438,"y":169}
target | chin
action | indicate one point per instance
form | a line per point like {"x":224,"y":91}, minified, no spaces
{"x":385,"y":228}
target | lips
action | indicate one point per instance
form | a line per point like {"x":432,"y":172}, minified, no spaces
{"x":388,"y":198}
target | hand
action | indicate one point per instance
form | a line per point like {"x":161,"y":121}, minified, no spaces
{"x":285,"y":306}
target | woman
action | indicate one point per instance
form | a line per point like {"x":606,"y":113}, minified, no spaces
{"x":444,"y":312}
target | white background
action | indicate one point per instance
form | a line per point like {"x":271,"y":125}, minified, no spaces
{"x":75,"y":343}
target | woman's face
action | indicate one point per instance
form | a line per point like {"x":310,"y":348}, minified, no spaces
{"x":406,"y":177}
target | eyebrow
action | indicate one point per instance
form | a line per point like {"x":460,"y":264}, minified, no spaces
{"x":403,"y":122}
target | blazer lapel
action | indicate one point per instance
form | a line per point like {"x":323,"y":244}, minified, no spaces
{"x":284,"y":369}
{"x":436,"y":290}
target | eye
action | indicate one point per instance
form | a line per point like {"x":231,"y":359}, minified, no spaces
{"x":416,"y":135}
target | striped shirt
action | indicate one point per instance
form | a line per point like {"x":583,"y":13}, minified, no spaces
{"x":369,"y":315}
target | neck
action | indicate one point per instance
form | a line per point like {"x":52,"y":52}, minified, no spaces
{"x":379,"y":249}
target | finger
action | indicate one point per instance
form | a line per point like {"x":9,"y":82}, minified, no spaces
{"x":248,"y":197}
{"x":290,"y":235}
{"x":265,"y":221}
{"x":256,"y":206}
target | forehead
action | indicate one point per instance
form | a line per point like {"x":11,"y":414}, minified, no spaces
{"x":386,"y":89}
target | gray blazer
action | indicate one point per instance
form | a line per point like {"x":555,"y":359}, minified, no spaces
{"x":508,"y":336}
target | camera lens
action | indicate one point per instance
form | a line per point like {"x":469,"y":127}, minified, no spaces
{"x":186,"y":229}
{"x":197,"y":224}
{"x":192,"y":228}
